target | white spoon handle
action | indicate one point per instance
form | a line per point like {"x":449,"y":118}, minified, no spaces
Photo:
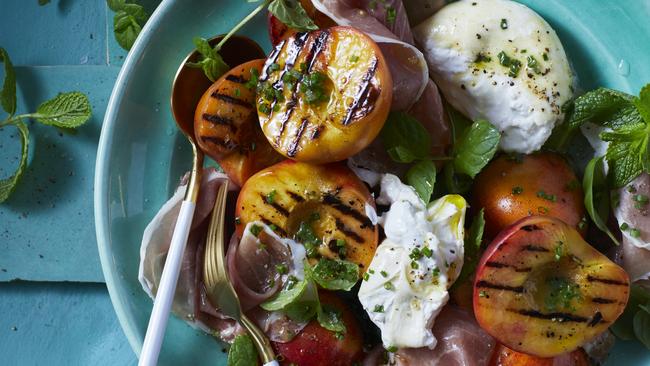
{"x":165,"y":294}
{"x":272,"y":363}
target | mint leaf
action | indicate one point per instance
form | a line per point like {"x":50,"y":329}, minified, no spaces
{"x":641,"y":325}
{"x":405,"y":138}
{"x":625,"y":161}
{"x":8,"y":185}
{"x":8,"y":92}
{"x":302,"y":311}
{"x":472,"y":247}
{"x":67,"y":110}
{"x":642,"y":103}
{"x":422,"y":177}
{"x":623,"y":328}
{"x":594,"y":184}
{"x":476,"y":147}
{"x":292,"y":14}
{"x":242,"y":352}
{"x":43,"y":2}
{"x":330,"y":318}
{"x":127,"y":22}
{"x":291,"y":292}
{"x":596,"y":106}
{"x":212,"y":64}
{"x":334,"y":274}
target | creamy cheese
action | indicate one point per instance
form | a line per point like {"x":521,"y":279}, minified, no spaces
{"x":462,"y":43}
{"x":406,"y":284}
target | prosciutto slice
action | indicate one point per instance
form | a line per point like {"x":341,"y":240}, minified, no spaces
{"x":635,"y":251}
{"x":250,"y":269}
{"x":461,"y":342}
{"x":189,"y":301}
{"x":407,"y":64}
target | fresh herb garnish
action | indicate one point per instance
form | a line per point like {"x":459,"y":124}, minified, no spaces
{"x":211,"y":62}
{"x":422,"y":177}
{"x":242,"y":352}
{"x":378,"y":309}
{"x":504,"y":23}
{"x":561,"y":293}
{"x":128,"y":21}
{"x":270,"y":197}
{"x":290,"y":293}
{"x":511,"y":63}
{"x":475,"y":148}
{"x":308,"y":238}
{"x":405,"y":139}
{"x":532,"y":64}
{"x":330,"y":318}
{"x":594,"y":184}
{"x":391,"y":15}
{"x":313,"y":87}
{"x":335,"y":274}
{"x":255,"y":230}
{"x":517,"y":190}
{"x":66,"y":110}
{"x":472,"y":247}
{"x":292,"y":14}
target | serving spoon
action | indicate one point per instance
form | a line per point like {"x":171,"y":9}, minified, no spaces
{"x":187,"y":88}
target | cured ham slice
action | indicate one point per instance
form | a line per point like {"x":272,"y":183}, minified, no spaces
{"x":635,"y":249}
{"x":461,"y":342}
{"x":407,"y":64}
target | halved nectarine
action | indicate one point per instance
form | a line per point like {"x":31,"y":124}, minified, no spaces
{"x":513,"y":187}
{"x":227,"y":128}
{"x":324,"y":95}
{"x":542,"y":290}
{"x":327,"y":202}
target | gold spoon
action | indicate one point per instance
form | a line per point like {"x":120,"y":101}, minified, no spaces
{"x":188,"y":87}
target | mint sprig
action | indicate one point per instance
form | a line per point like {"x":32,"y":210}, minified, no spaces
{"x":289,"y":12}
{"x":66,"y":110}
{"x":475,"y":148}
{"x":628,"y":121}
{"x":128,"y":21}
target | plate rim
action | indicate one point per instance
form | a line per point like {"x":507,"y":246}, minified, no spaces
{"x":102,"y":166}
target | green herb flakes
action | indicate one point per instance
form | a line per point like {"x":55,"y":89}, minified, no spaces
{"x":512,"y":64}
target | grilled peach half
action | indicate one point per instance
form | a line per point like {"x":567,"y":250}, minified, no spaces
{"x":329,"y":199}
{"x":512,"y":187}
{"x":541,"y":289}
{"x":323,"y":96}
{"x":227,"y":128}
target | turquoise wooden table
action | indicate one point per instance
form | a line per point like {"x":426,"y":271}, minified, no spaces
{"x":56,"y":310}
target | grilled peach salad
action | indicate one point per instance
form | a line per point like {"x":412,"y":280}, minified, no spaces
{"x":411,"y":191}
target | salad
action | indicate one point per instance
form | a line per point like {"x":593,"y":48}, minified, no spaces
{"x":409,"y":189}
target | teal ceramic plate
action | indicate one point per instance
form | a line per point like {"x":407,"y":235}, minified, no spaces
{"x":141,"y":155}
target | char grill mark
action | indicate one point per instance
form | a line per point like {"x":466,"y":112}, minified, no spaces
{"x":348,"y":232}
{"x":236,"y":79}
{"x":534,"y":248}
{"x":493,"y":264}
{"x":555,"y":316}
{"x":293,"y":148}
{"x":606,"y":281}
{"x":278,"y":207}
{"x":278,"y":228}
{"x":602,"y":300}
{"x":226,"y":144}
{"x":231,"y":100}
{"x":496,"y":286}
{"x":341,"y":207}
{"x":273,"y":57}
{"x":219,"y":120}
{"x":295,"y":196}
{"x":362,"y":96}
{"x":597,"y":318}
{"x":316,"y":47}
